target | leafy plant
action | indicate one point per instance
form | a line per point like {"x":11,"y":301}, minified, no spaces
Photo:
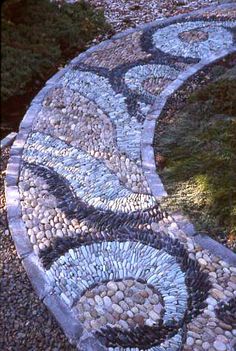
{"x":200,"y":148}
{"x":38,"y":36}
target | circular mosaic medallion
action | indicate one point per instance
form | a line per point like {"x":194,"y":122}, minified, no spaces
{"x":197,"y":39}
{"x":135,"y":291}
{"x":122,"y":304}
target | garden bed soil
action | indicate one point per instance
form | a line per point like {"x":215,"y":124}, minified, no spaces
{"x":197,"y":166}
{"x":38,"y":38}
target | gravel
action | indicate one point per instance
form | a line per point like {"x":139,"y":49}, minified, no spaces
{"x":123,"y":14}
{"x":26,"y":324}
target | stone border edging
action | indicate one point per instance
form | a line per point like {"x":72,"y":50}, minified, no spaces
{"x":149,"y":125}
{"x":8,"y":140}
{"x":40,"y":281}
{"x":148,"y":158}
{"x":218,"y":249}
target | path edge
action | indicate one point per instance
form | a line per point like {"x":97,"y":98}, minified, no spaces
{"x":40,"y":281}
{"x":148,"y":156}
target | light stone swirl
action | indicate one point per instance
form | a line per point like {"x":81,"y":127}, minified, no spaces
{"x":92,"y":264}
{"x":219,"y":38}
{"x":138,"y":74}
{"x":88,"y":177}
{"x":98,"y":89}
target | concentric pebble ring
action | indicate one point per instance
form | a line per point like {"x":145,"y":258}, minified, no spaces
{"x":83,"y":197}
{"x":168,"y":39}
{"x":123,"y":289}
{"x":137,"y":75}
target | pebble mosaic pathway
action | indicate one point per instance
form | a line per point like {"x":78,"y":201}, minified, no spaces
{"x":118,"y":272}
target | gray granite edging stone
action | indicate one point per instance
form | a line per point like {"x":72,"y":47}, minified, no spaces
{"x":147,"y":139}
{"x":33,"y":267}
{"x":218,"y":249}
{"x":65,"y":317}
{"x":41,"y":283}
{"x":8,"y":140}
{"x":89,"y":343}
{"x":149,"y":164}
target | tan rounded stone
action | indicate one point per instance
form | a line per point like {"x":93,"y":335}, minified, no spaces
{"x":217,"y":294}
{"x":129,"y":282}
{"x":117,"y":308}
{"x":94,"y":313}
{"x":219,"y":346}
{"x":110,"y":293}
{"x":89,"y":294}
{"x":139,"y":319}
{"x":112,"y":286}
{"x":121,"y":286}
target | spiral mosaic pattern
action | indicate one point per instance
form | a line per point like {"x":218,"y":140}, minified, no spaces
{"x":87,"y":206}
{"x":133,"y":293}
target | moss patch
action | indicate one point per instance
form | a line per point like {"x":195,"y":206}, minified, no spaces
{"x":199,"y":147}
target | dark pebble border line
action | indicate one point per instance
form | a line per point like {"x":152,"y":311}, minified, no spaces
{"x":66,"y":319}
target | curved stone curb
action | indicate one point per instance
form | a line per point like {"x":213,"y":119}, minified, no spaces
{"x":147,"y":152}
{"x":41,"y":283}
{"x":219,"y":250}
{"x":148,"y":159}
{"x":8,"y":140}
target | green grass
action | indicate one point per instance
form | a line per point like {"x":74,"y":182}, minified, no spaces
{"x":38,"y":36}
{"x":199,"y":145}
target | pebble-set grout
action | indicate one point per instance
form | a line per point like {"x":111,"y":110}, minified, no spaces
{"x":126,"y":270}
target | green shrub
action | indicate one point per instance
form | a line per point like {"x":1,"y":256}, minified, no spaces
{"x":200,"y":149}
{"x":38,"y":36}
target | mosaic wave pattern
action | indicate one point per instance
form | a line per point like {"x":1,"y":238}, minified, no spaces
{"x":97,"y":87}
{"x":88,"y":178}
{"x":145,"y":271}
{"x":90,"y":214}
